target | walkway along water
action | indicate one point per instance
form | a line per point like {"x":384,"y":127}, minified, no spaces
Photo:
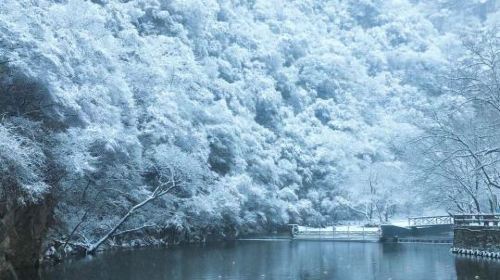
{"x":428,"y":229}
{"x":336,"y":233}
{"x":470,"y":234}
{"x":435,"y":229}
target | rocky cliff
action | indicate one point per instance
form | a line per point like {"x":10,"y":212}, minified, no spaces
{"x":22,"y":228}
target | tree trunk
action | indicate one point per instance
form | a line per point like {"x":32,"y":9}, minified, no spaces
{"x":96,"y":245}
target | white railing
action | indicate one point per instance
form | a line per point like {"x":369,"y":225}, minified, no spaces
{"x":336,"y":232}
{"x":430,"y":220}
{"x":482,"y":220}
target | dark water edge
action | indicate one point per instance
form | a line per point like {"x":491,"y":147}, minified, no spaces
{"x":278,"y":259}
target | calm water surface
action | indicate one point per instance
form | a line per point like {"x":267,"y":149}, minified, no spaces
{"x":280,"y":260}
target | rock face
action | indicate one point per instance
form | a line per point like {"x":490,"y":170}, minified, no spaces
{"x":22,"y":228}
{"x":474,"y":239}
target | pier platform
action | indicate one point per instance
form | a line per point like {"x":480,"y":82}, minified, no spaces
{"x":337,"y":233}
{"x":427,"y":229}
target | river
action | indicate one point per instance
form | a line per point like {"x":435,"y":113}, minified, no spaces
{"x":279,"y":259}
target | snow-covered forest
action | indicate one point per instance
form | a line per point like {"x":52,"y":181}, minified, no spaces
{"x":139,"y":118}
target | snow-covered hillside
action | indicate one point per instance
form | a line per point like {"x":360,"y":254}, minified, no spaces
{"x":256,"y":113}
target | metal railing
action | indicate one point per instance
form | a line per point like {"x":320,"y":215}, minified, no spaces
{"x":349,"y":234}
{"x":482,"y":220}
{"x":430,"y":220}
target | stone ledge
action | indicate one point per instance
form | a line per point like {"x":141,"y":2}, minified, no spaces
{"x":478,"y":253}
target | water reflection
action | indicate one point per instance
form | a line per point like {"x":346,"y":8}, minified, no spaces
{"x":468,"y":267}
{"x":280,"y":260}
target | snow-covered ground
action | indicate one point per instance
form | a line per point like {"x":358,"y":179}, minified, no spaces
{"x":399,"y":223}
